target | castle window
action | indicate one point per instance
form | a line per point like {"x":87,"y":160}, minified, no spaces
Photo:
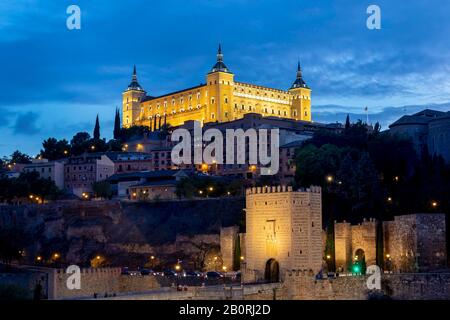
{"x":306,"y":113}
{"x":295,"y":113}
{"x":235,"y":106}
{"x":249,"y":108}
{"x":265,"y":110}
{"x":226,"y":114}
{"x":243,"y":107}
{"x":165,"y":104}
{"x":212,"y":116}
{"x":198,"y":95}
{"x":190,"y":97}
{"x":285,"y":114}
{"x":212,"y":100}
{"x":312,"y":224}
{"x":279,"y":112}
{"x":173,"y":102}
{"x":226,"y":100}
{"x":273,"y":111}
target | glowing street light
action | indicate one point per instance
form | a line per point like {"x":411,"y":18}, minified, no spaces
{"x":177,"y":267}
{"x":92,"y":147}
{"x":224,"y":268}
{"x":39,"y":258}
{"x":56,"y":255}
{"x":389,"y":199}
{"x":152,"y":257}
{"x":98,"y":257}
{"x":328,"y":257}
{"x":434,"y":204}
{"x":388,"y":255}
{"x":211,"y":189}
{"x":242,"y":257}
{"x":66,"y":152}
{"x":330,"y":178}
{"x":200,"y":192}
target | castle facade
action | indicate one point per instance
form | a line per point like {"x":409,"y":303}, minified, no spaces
{"x":220,"y":99}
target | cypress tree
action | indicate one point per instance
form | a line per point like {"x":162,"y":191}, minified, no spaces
{"x":116,"y":132}
{"x":97,"y":129}
{"x":347,"y":122}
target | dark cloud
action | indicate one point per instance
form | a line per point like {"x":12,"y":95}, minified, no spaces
{"x":26,"y":124}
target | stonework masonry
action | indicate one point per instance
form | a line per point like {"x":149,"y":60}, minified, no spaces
{"x":411,"y":243}
{"x":228,"y":237}
{"x":283,"y":232}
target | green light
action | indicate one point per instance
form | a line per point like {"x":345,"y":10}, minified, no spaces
{"x":356,"y":268}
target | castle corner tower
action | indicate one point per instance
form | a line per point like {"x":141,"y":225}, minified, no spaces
{"x":220,"y":84}
{"x":301,"y":97}
{"x":131,"y":99}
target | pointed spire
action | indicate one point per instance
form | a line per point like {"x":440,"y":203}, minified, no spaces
{"x":299,"y":82}
{"x":134,"y":85}
{"x":219,"y":66}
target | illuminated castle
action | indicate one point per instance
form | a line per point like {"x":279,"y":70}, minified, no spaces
{"x":220,"y":99}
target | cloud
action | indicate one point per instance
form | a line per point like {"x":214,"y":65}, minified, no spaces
{"x":26,"y":124}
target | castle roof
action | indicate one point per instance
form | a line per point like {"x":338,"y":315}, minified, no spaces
{"x":421,"y":118}
{"x":134,"y":84}
{"x":299,"y":82}
{"x":220,"y":65}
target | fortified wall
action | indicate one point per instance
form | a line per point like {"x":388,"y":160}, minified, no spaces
{"x":283,"y":232}
{"x":411,"y":243}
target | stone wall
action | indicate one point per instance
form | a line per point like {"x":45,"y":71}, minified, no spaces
{"x":415,"y":243}
{"x":301,"y":285}
{"x":412,"y":243}
{"x":99,"y":281}
{"x":228,"y":237}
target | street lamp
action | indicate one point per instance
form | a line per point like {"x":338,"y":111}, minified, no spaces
{"x":328,"y":257}
{"x":434,"y":204}
{"x":330,"y":178}
{"x":211,"y":189}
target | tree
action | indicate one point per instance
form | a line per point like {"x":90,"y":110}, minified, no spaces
{"x":102,"y":189}
{"x":116,"y":133}
{"x":114,"y":145}
{"x":96,"y":134}
{"x":19,"y":157}
{"x":54,"y":149}
{"x":80,"y":143}
{"x":377,"y":128}
{"x":347,"y":122}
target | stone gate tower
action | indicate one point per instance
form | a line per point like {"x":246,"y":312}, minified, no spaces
{"x":283,"y":232}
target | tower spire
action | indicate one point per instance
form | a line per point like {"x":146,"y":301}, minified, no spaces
{"x":299,"y":82}
{"x":220,"y":65}
{"x":134,"y":85}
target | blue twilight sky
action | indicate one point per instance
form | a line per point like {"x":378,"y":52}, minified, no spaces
{"x":54,"y":81}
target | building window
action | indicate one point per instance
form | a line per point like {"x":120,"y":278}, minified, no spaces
{"x":212,"y":116}
{"x":226,"y":100}
{"x":306,"y":113}
{"x":212,"y":100}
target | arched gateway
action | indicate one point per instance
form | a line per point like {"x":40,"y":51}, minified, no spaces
{"x":272,"y":272}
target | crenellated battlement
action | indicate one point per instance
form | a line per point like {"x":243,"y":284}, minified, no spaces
{"x":281,"y":188}
{"x":95,"y":271}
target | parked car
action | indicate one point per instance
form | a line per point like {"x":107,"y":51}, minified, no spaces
{"x":193,"y":274}
{"x":170,"y":273}
{"x":214,"y":275}
{"x":147,"y":272}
